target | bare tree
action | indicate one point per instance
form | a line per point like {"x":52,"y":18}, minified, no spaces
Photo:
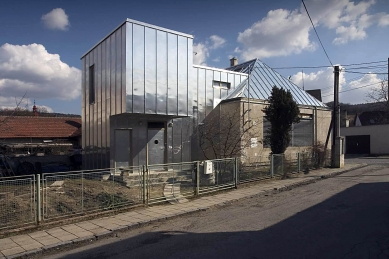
{"x":225,"y":133}
{"x":379,"y":95}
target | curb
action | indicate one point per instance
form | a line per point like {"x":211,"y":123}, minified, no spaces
{"x":114,"y":232}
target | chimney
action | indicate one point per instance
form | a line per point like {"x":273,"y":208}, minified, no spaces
{"x":35,"y":110}
{"x":233,"y":62}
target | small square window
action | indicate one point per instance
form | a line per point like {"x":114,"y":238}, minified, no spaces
{"x":221,"y":85}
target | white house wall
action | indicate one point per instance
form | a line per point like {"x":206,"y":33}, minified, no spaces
{"x":379,"y":141}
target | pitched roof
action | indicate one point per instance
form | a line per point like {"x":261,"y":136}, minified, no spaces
{"x":261,"y":80}
{"x":39,"y":127}
{"x":371,"y":118}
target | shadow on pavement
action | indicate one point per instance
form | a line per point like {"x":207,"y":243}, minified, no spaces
{"x":351,"y":224}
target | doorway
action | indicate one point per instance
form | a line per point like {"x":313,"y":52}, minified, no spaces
{"x":123,"y":148}
{"x":156,"y":143}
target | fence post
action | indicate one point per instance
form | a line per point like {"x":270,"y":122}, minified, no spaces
{"x":271,"y":166}
{"x":82,"y":191}
{"x":236,"y":174}
{"x":144,"y":184}
{"x":38,"y":198}
{"x":197,"y":178}
{"x":298,"y":163}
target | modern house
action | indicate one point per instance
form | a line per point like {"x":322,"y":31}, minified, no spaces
{"x":143,"y":100}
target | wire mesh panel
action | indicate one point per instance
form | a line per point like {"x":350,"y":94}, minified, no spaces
{"x":217,"y":174}
{"x":170,"y":182}
{"x":82,"y":191}
{"x":291,"y":163}
{"x":253,"y":168}
{"x":278,"y":164}
{"x":17,"y":201}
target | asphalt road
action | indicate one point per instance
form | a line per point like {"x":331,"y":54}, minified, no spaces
{"x":342,"y":217}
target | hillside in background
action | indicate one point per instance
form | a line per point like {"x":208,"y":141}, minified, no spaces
{"x":353,"y":109}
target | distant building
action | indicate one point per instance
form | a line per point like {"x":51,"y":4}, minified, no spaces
{"x":143,"y":99}
{"x":368,"y":134}
{"x":26,"y":134}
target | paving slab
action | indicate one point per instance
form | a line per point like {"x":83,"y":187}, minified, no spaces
{"x":7,"y":243}
{"x":13,"y":251}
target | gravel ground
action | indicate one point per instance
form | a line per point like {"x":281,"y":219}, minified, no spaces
{"x":342,"y":217}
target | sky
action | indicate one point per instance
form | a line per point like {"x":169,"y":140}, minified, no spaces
{"x":41,"y":42}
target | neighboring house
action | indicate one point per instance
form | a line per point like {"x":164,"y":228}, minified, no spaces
{"x":368,"y":134}
{"x":143,"y":100}
{"x":35,"y":134}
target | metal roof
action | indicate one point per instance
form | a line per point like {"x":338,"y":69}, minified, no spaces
{"x":261,"y":80}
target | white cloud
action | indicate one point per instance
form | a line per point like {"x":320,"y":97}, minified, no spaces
{"x":56,"y":19}
{"x":280,"y":33}
{"x":324,"y":79}
{"x":216,"y":59}
{"x":284,"y":32}
{"x":217,"y":42}
{"x":30,"y":70}
{"x":201,"y":54}
{"x":203,"y":49}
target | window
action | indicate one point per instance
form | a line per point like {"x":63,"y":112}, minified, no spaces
{"x":221,"y":85}
{"x":92,"y":84}
{"x":301,"y":134}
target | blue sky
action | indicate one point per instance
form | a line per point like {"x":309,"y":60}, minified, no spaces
{"x":41,"y":42}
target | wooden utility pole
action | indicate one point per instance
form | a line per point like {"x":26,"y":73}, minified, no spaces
{"x":335,"y":113}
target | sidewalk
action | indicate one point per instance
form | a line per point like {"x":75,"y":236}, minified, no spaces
{"x":90,"y":230}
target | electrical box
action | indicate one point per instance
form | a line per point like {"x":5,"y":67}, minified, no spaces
{"x":208,"y":167}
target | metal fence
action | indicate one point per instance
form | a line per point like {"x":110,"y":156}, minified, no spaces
{"x":17,"y":201}
{"x":170,"y":182}
{"x":76,"y":192}
{"x":36,"y":198}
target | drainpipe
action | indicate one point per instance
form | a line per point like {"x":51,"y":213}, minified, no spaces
{"x":315,"y":118}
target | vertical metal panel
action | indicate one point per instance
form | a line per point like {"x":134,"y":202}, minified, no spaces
{"x":112,"y":57}
{"x":201,"y":94}
{"x":95,"y":112}
{"x":123,"y":70}
{"x":108,"y":90}
{"x":172,"y":74}
{"x":238,"y":80}
{"x":177,"y":142}
{"x":129,"y":56}
{"x":98,"y":98}
{"x":169,"y":143}
{"x":216,"y":91}
{"x":209,"y":91}
{"x":91,"y":124}
{"x":83,"y":105}
{"x":103,"y":105}
{"x":182,"y":76}
{"x":162,"y":72}
{"x":118,"y":71}
{"x":191,"y":78}
{"x":87,"y":112}
{"x":150,"y":71}
{"x":186,"y":139}
{"x":138,"y":69}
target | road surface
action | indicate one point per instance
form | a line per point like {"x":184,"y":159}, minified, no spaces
{"x":342,"y":217}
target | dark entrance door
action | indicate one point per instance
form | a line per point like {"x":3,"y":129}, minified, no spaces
{"x":122,"y":148}
{"x":156,"y":143}
{"x":359,"y":144}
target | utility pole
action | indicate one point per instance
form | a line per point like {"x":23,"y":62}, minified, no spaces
{"x":336,"y":119}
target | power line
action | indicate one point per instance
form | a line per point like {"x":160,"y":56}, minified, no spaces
{"x":370,"y":73}
{"x":324,"y":66}
{"x":363,"y":86}
{"x":317,"y":33}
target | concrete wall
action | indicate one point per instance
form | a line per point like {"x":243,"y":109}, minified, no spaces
{"x":379,"y":141}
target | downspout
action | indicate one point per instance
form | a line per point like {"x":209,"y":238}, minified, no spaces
{"x":315,"y":118}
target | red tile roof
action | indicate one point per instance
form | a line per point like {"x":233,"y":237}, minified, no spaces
{"x":39,"y":127}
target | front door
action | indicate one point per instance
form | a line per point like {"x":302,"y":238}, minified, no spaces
{"x":156,"y":143}
{"x":122,"y":147}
